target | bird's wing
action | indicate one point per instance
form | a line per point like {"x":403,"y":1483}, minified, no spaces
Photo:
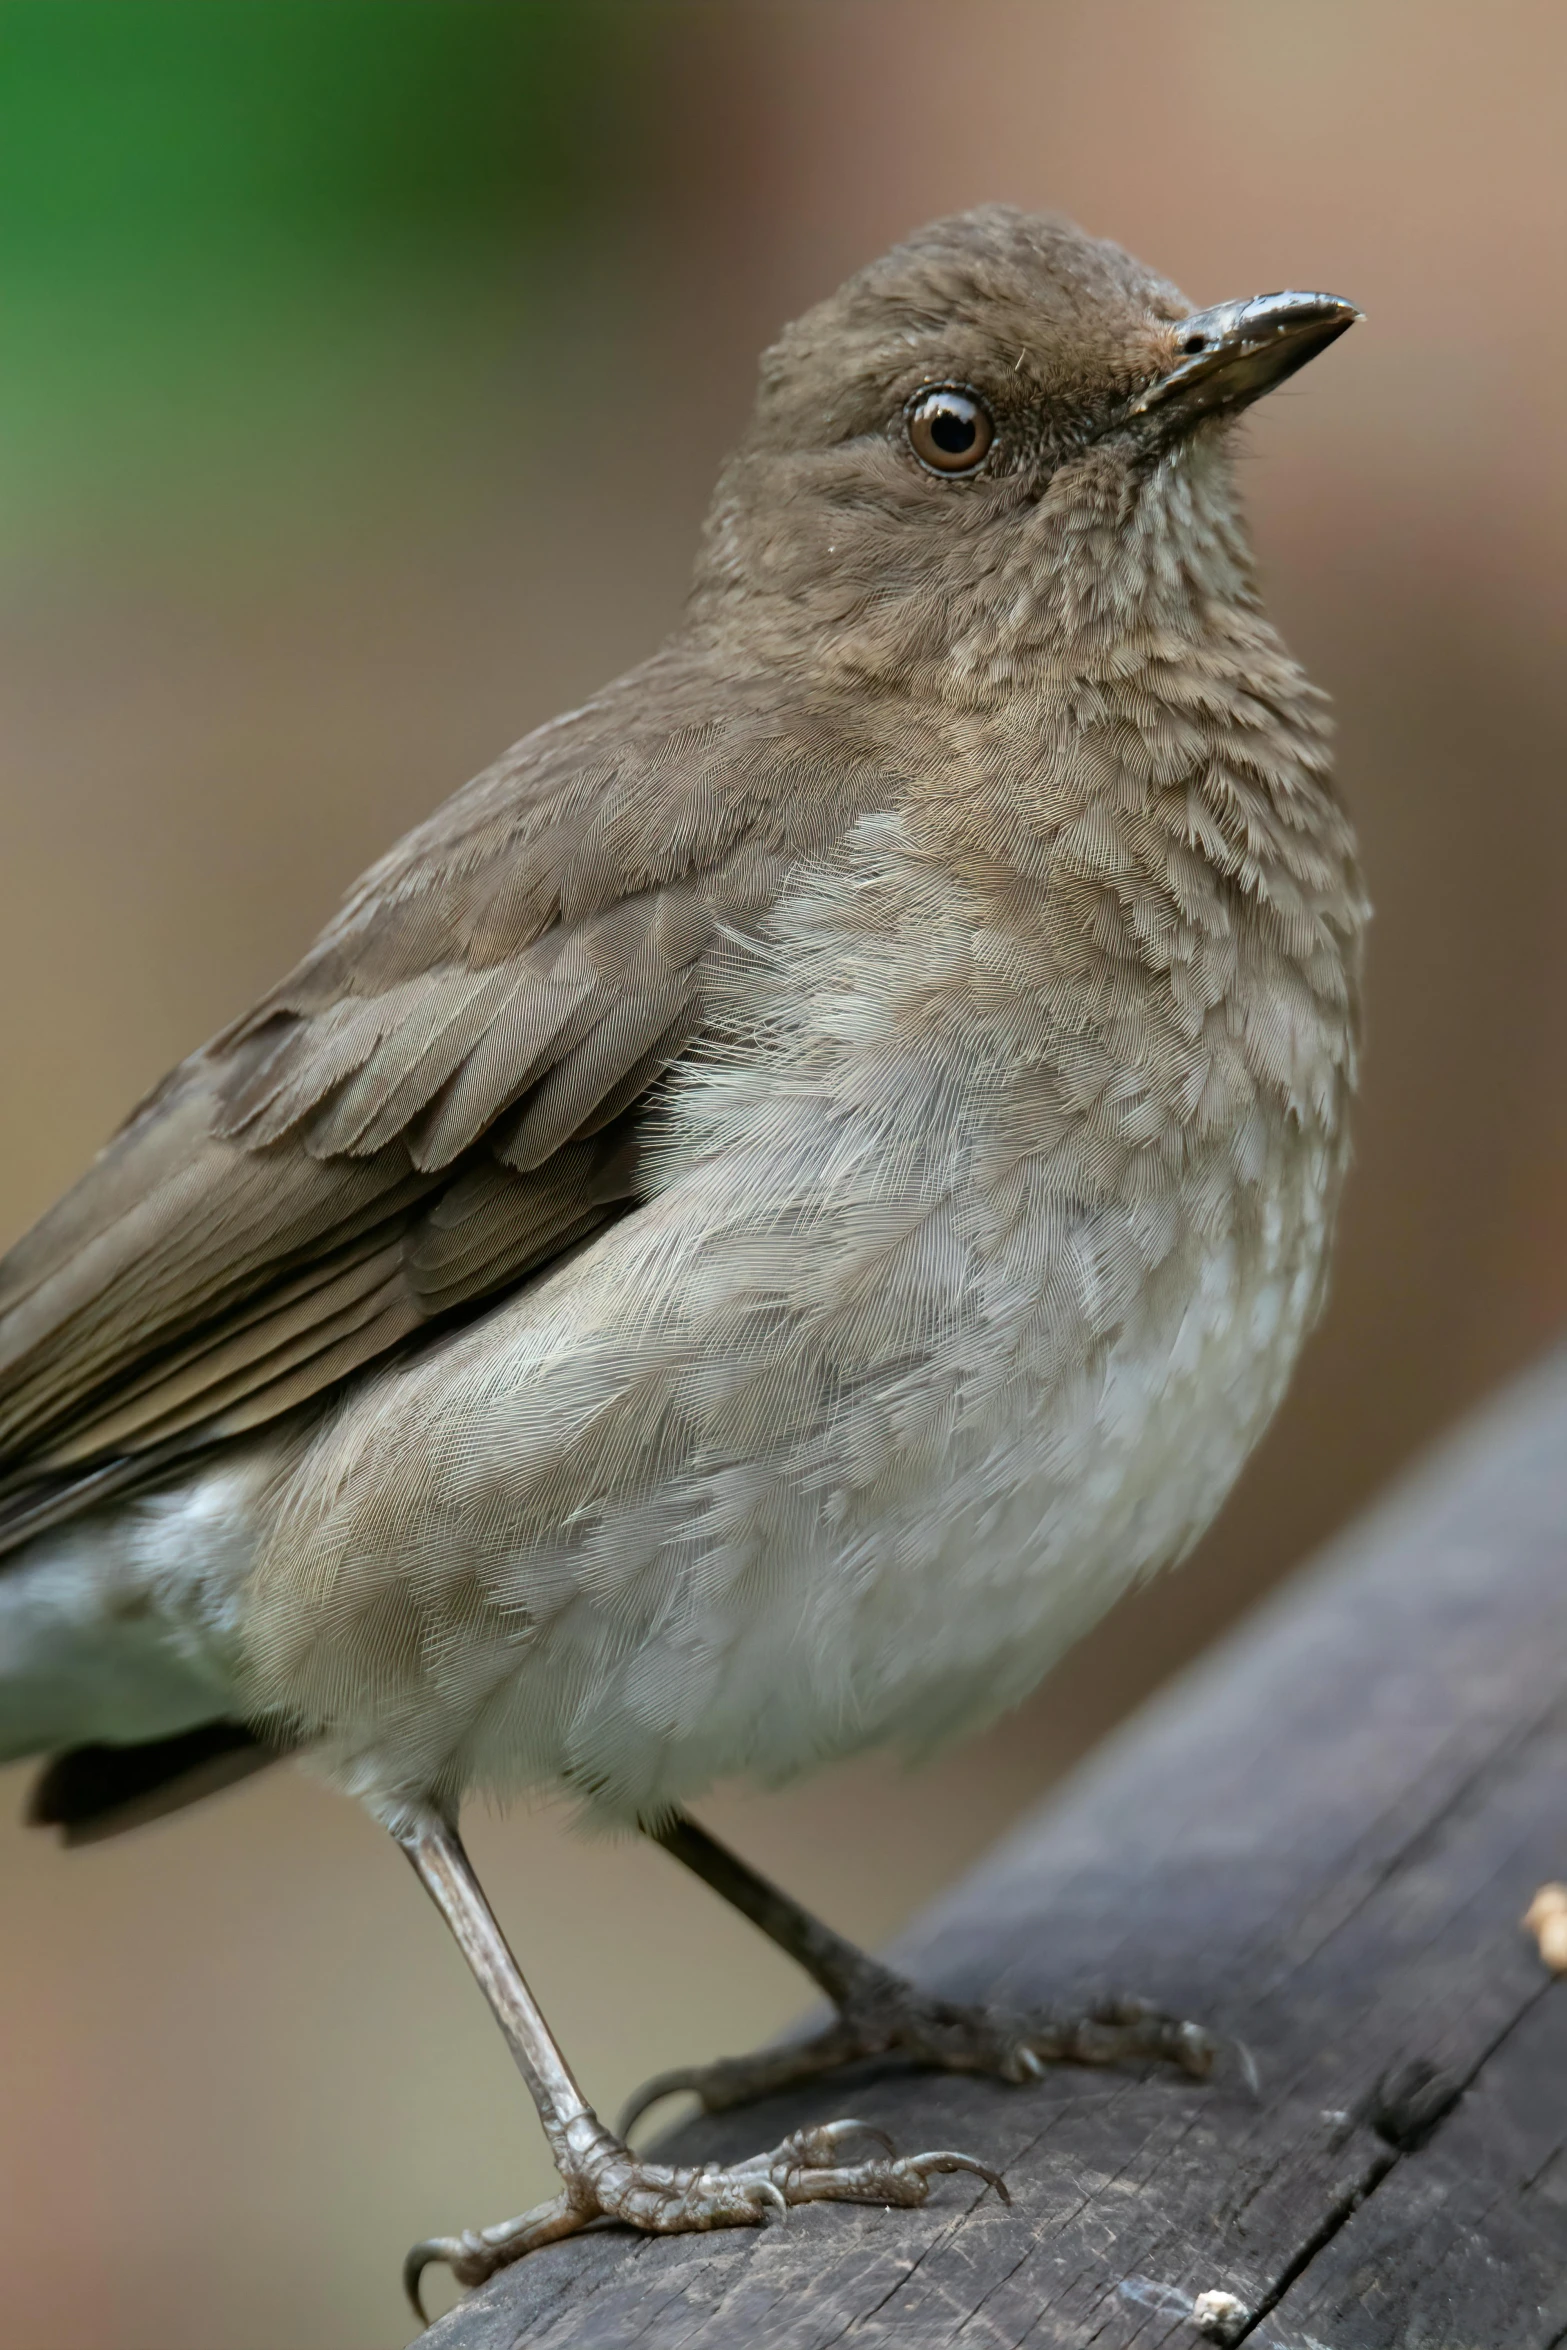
{"x":443,"y":1097}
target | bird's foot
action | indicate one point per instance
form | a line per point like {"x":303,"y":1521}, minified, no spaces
{"x":604,"y":2179}
{"x":894,"y":2019}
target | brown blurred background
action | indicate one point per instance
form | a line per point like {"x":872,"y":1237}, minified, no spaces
{"x":366,"y":371}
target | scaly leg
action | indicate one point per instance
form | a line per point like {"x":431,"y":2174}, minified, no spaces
{"x":879,"y":2014}
{"x":601,"y":2176}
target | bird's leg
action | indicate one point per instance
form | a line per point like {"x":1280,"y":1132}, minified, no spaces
{"x":601,"y":2177}
{"x":881,"y":2014}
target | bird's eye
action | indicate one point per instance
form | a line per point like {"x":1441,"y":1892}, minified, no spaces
{"x":950,"y":430}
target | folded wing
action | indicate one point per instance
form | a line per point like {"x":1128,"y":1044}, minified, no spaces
{"x":443,"y":1097}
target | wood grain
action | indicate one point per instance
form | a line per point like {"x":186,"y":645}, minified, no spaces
{"x":1321,"y":1843}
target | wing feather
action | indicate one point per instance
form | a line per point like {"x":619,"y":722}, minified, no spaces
{"x":444,"y":1097}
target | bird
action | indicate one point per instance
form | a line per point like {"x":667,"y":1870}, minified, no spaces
{"x":759,"y":1220}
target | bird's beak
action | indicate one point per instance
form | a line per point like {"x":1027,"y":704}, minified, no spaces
{"x":1230,"y":355}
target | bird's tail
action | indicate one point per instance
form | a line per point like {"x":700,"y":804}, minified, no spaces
{"x":108,"y":1668}
{"x":90,"y":1792}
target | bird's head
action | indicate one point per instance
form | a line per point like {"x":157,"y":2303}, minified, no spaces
{"x":1001,"y":434}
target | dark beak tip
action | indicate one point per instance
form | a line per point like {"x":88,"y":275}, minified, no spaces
{"x":1339,"y":313}
{"x":1294,"y":313}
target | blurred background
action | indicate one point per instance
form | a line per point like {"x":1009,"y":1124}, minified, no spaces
{"x":366,"y":368}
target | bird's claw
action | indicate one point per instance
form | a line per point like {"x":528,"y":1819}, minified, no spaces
{"x":660,"y":2199}
{"x":937,"y":2033}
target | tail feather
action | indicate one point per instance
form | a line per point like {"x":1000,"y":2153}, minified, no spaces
{"x":97,"y":1791}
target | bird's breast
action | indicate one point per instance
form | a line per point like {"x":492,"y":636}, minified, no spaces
{"x":970,"y":1279}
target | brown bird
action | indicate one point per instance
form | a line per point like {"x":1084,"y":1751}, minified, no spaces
{"x":793,"y":1190}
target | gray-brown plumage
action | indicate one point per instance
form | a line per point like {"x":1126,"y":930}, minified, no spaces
{"x":773,"y":1206}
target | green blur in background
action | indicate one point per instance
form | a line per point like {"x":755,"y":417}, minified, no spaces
{"x":246,"y":250}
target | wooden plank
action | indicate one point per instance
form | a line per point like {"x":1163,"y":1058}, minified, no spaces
{"x":1466,"y":2243}
{"x":1320,"y":1842}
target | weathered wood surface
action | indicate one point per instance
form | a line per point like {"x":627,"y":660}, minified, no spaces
{"x":1321,"y":1842}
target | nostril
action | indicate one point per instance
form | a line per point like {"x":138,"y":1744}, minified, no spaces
{"x":1195,"y":343}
